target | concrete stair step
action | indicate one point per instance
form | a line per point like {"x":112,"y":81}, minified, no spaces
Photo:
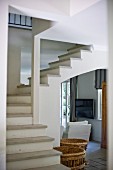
{"x":79,"y":47}
{"x":24,"y":89}
{"x":53,"y":70}
{"x":19,"y":98}
{"x":67,"y":56}
{"x":29,"y":144}
{"x":52,"y":167}
{"x":19,"y":108}
{"x":45,"y":79}
{"x":19,"y":118}
{"x":59,"y":63}
{"x":23,"y":131}
{"x":31,"y":160}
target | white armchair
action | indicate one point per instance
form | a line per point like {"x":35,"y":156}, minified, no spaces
{"x":79,"y":131}
{"x":85,"y":122}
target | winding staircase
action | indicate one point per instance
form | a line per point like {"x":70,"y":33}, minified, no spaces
{"x":28,"y":146}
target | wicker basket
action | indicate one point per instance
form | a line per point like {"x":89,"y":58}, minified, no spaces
{"x":81,"y":143}
{"x":72,"y":157}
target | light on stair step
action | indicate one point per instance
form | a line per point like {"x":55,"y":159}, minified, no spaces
{"x":19,"y":108}
{"x":33,"y":159}
{"x":19,"y":118}
{"x":23,"y":131}
{"x":31,"y":144}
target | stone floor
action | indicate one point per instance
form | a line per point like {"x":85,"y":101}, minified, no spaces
{"x":96,"y":157}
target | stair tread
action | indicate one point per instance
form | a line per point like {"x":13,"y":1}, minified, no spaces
{"x":21,"y":86}
{"x":80,"y":46}
{"x":27,"y":140}
{"x":52,"y":167}
{"x":32,"y":155}
{"x":20,"y":127}
{"x":59,"y":61}
{"x":50,"y":75}
{"x":76,"y":46}
{"x":44,"y":85}
{"x":19,"y":104}
{"x":11,"y":115}
{"x":66,"y":54}
{"x":19,"y":95}
{"x":56,"y":67}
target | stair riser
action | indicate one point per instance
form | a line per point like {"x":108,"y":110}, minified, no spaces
{"x":53,"y":71}
{"x":64,"y":63}
{"x":44,"y":80}
{"x":29,"y":147}
{"x":24,"y":90}
{"x":18,"y":109}
{"x":19,"y":121}
{"x":76,"y":55}
{"x":25,"y":133}
{"x":33,"y":163}
{"x":19,"y":99}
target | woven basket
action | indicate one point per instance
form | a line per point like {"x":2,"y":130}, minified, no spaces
{"x":81,"y":143}
{"x":72,"y":157}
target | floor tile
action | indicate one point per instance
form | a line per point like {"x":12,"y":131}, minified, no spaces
{"x":96,"y":157}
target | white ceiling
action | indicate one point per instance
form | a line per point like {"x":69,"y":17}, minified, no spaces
{"x":87,"y":27}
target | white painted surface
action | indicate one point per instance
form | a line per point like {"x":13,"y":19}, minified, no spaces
{"x":36,"y":29}
{"x":50,"y":107}
{"x":81,"y":5}
{"x":19,"y":120}
{"x":49,"y":9}
{"x":22,"y":133}
{"x":19,"y":57}
{"x":96,"y":128}
{"x":80,"y":131}
{"x":24,"y":90}
{"x":13,"y":69}
{"x":29,"y":147}
{"x":19,"y":99}
{"x":33,"y":163}
{"x":3,"y":33}
{"x":87,"y":27}
{"x":18,"y":109}
{"x":110,"y":86}
{"x":3,"y":81}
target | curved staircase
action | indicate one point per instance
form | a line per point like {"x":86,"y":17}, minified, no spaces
{"x":28,"y":147}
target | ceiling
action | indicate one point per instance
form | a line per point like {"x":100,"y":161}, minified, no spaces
{"x":87,"y":27}
{"x":78,"y":21}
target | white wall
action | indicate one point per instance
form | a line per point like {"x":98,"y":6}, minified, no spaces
{"x":50,"y":50}
{"x":49,"y":109}
{"x":19,"y":48}
{"x":49,"y":97}
{"x":3,"y":81}
{"x":110,"y":86}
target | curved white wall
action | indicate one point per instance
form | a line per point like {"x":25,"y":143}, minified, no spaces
{"x":49,"y":97}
